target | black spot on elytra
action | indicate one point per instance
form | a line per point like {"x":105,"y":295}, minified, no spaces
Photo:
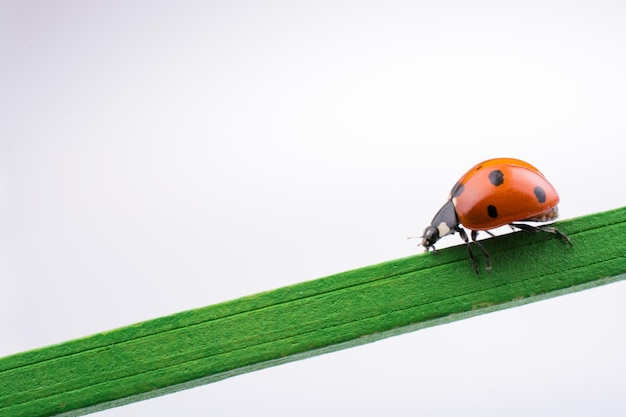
{"x":457,"y":189}
{"x":496,"y":177}
{"x":492,"y":211}
{"x":540,"y":194}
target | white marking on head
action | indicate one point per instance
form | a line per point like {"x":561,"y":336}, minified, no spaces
{"x":443,"y":229}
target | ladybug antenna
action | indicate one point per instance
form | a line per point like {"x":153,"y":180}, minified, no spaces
{"x":416,"y":237}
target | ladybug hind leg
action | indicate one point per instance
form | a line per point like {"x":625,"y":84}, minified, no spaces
{"x":543,"y":228}
{"x":474,"y":235}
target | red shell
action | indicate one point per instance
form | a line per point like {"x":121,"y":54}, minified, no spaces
{"x":503,"y":190}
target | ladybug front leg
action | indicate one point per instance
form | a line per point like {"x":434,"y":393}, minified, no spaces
{"x":474,"y":235}
{"x":469,"y":248}
{"x":483,"y":250}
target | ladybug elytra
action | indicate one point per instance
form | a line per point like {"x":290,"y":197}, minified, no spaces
{"x":495,"y":193}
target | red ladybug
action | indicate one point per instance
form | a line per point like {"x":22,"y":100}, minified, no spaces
{"x":492,"y":194}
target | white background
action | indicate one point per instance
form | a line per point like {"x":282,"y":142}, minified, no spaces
{"x":160,"y":156}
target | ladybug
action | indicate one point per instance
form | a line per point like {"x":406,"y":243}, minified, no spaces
{"x":495,"y":193}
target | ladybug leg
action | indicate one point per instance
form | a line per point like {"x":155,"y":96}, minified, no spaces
{"x":463,"y":235}
{"x":546,"y":228}
{"x":483,"y":250}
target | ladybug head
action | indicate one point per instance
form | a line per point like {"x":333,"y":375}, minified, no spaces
{"x":430,"y":237}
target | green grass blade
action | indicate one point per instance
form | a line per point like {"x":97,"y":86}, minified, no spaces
{"x":343,"y":310}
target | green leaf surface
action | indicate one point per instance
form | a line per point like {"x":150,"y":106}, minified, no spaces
{"x":351,"y":308}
